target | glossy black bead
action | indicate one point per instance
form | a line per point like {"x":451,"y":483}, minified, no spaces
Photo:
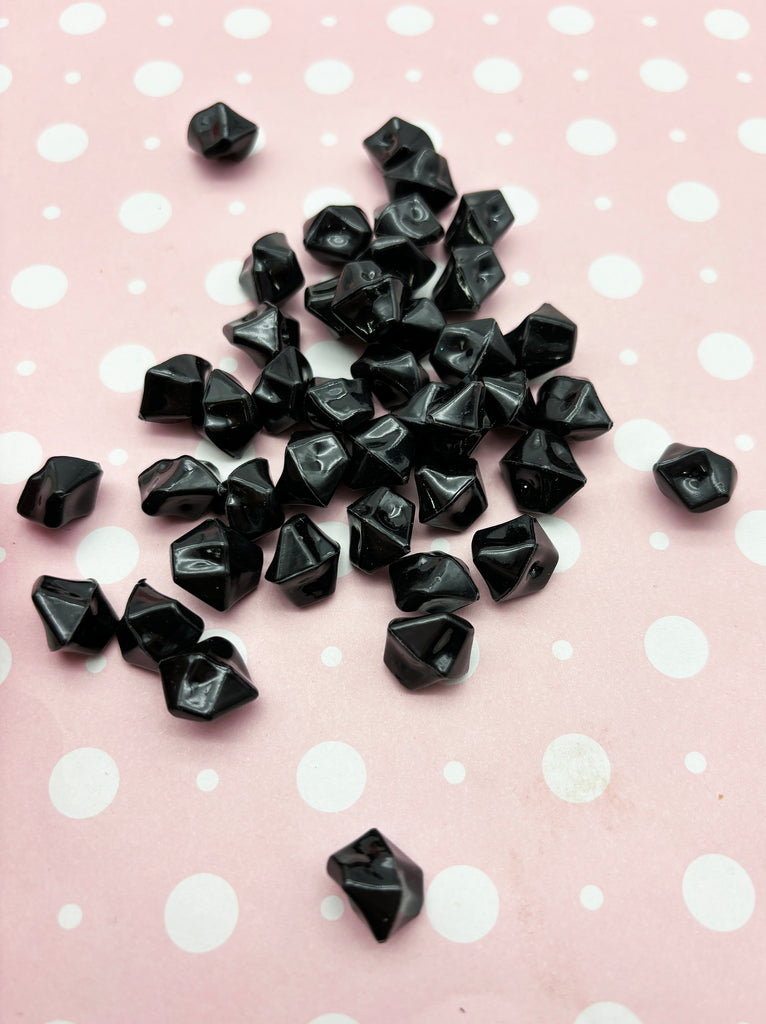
{"x":154,"y":626}
{"x":697,"y":479}
{"x":508,"y":402}
{"x":451,"y":496}
{"x":182,"y":487}
{"x":543,"y":341}
{"x":271,"y":272}
{"x":541,"y":472}
{"x":419,"y":328}
{"x":569,"y":407}
{"x":230,"y":419}
{"x":380,"y":454}
{"x":64,"y":489}
{"x":252,"y":506}
{"x":315,"y":462}
{"x":338,"y":403}
{"x":216,"y":564}
{"x":280,"y":390}
{"x":263,"y":333}
{"x":473,"y":348}
{"x":455,"y":423}
{"x":397,"y":255}
{"x":368,"y":302}
{"x":432,"y":581}
{"x":337,"y":234}
{"x":384,"y":887}
{"x":515,"y":559}
{"x":428,"y":649}
{"x":472,"y":273}
{"x":204,"y":683}
{"x":305,"y":562}
{"x":219,"y":133}
{"x":76,"y":615}
{"x":416,"y":415}
{"x":410,"y":216}
{"x":173,"y":390}
{"x":481,"y":218}
{"x":318,"y":299}
{"x":380,"y":529}
{"x":425,"y":172}
{"x":392,"y":374}
{"x":396,"y":140}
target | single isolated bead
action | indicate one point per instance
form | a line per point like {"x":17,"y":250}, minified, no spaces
{"x":432,"y":581}
{"x":410,"y":216}
{"x":379,"y":454}
{"x":230,"y":420}
{"x":541,"y":472}
{"x":515,"y":559}
{"x":396,"y":140}
{"x":318,"y":299}
{"x":263,"y":333}
{"x":425,"y":172}
{"x":76,"y":615}
{"x":471,"y":348}
{"x":569,"y":407}
{"x":393,"y":374}
{"x":384,"y":887}
{"x":154,"y":626}
{"x":216,"y":564}
{"x":451,"y":496}
{"x":543,"y":341}
{"x":337,"y":234}
{"x":315,"y":462}
{"x":368,"y":302}
{"x":508,"y":402}
{"x":428,"y":649}
{"x":219,"y":133}
{"x":380,"y":528}
{"x":481,"y":218}
{"x":397,"y":255}
{"x":338,"y":403}
{"x":280,"y":390}
{"x":305,"y":562}
{"x":420,"y":326}
{"x":204,"y":683}
{"x":472,"y":273}
{"x":182,"y":487}
{"x":64,"y":489}
{"x":697,"y":479}
{"x":271,"y":272}
{"x":252,"y":507}
{"x":173,"y":390}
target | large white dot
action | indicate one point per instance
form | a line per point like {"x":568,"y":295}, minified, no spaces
{"x":81,"y":19}
{"x":462,"y":903}
{"x":39,"y":286}
{"x":328,"y":77}
{"x":663,"y":75}
{"x":718,"y":892}
{"x":659,"y":541}
{"x":61,"y":143}
{"x":591,"y":897}
{"x":20,"y":455}
{"x":327,"y":195}
{"x":576,"y":768}
{"x":83,"y":783}
{"x":454,"y":772}
{"x":247,"y":23}
{"x":591,"y":137}
{"x":693,"y":201}
{"x":331,"y":776}
{"x":565,"y":539}
{"x":523,"y":204}
{"x":158,"y":78}
{"x":606,"y":1013}
{"x":744,"y":442}
{"x":409,"y":20}
{"x":201,"y":913}
{"x":752,"y":134}
{"x":123,"y":369}
{"x":6,"y":660}
{"x":725,"y":356}
{"x":750,"y":535}
{"x":118,"y":456}
{"x":6,"y":77}
{"x":331,"y":657}
{"x":676,"y":646}
{"x":207,"y":780}
{"x":331,"y":908}
{"x":727,"y":24}
{"x":222,"y":283}
{"x":615,"y":276}
{"x":330,"y":358}
{"x":107,"y":554}
{"x":497,"y":75}
{"x":639,"y":443}
{"x":572,"y":21}
{"x":145,"y":212}
{"x":695,"y":762}
{"x":70,"y":916}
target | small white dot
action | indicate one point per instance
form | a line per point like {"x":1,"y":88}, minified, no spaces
{"x":454,"y":772}
{"x":52,"y":212}
{"x":152,"y":142}
{"x":602,"y":203}
{"x":520,"y":277}
{"x":165,"y":20}
{"x":562,"y":650}
{"x":591,"y":897}
{"x":2,"y":554}
{"x":331,"y":908}
{"x":328,"y":139}
{"x":229,"y":364}
{"x":649,"y":21}
{"x":26,"y":368}
{"x":4,"y":22}
{"x":504,"y":138}
{"x":95,"y":664}
{"x":628,"y":357}
{"x":413,"y":75}
{"x":580,"y":75}
{"x":137,"y":287}
{"x":677,"y":135}
{"x":331,"y":657}
{"x":70,"y":916}
{"x":490,"y":19}
{"x":236,"y":207}
{"x":745,"y":77}
{"x":247,"y":23}
{"x":744,"y":442}
{"x":118,"y":456}
{"x":659,"y":540}
{"x":243,"y":77}
{"x":695,"y":762}
{"x":329,"y":21}
{"x":727,"y":24}
{"x":72,"y":77}
{"x":207,"y":780}
{"x":440,"y":544}
{"x":708,"y":275}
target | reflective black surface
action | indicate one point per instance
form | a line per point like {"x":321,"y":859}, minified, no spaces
{"x":315,"y":462}
{"x":455,"y":424}
{"x":515,"y":559}
{"x":380,"y":454}
{"x":305,"y":562}
{"x":64,"y":489}
{"x":481,"y":218}
{"x":569,"y":407}
{"x":271,"y":272}
{"x":410,"y":216}
{"x":216,"y":564}
{"x":368,"y":302}
{"x":380,"y":528}
{"x":318,"y":299}
{"x":173,"y":390}
{"x":471,"y":347}
{"x":230,"y":420}
{"x":252,"y":506}
{"x":154,"y":626}
{"x":75,"y":613}
{"x":395,"y":254}
{"x":472,"y":273}
{"x":697,"y":479}
{"x":541,"y":472}
{"x":393,"y":374}
{"x":263,"y":333}
{"x":543,"y":341}
{"x":451,"y":496}
{"x":219,"y":133}
{"x":337,"y":234}
{"x":206,"y":682}
{"x":508,"y":401}
{"x":338,"y":403}
{"x":424,"y":172}
{"x":428,"y":649}
{"x":432,"y":581}
{"x":396,"y":140}
{"x":182,"y":487}
{"x":420,"y":326}
{"x":281,"y":389}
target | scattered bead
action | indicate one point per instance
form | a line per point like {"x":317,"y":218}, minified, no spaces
{"x":64,"y":489}
{"x":219,"y":133}
{"x":428,"y":649}
{"x":75,"y":613}
{"x":697,"y":479}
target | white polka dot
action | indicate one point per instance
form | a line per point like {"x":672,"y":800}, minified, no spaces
{"x":580,"y":75}
{"x":229,"y":364}
{"x":247,"y":23}
{"x":39,"y":286}
{"x":207,"y":780}
{"x":4,"y":22}
{"x":708,"y":275}
{"x":237,"y":207}
{"x":6,"y":660}
{"x":330,"y":358}
{"x":118,"y":456}
{"x":639,"y":443}
{"x":520,"y":277}
{"x":497,"y":75}
{"x":51,"y":212}
{"x":123,"y":369}
{"x":615,"y":276}
{"x":663,"y":75}
{"x":328,"y":21}
{"x":606,"y":1013}
{"x":243,"y":78}
{"x":328,"y":139}
{"x":628,"y":357}
{"x":718,"y":892}
{"x":331,"y":908}
{"x":504,"y":138}
{"x":473,"y":664}
{"x":676,"y":135}
{"x":591,"y":137}
{"x":331,"y":776}
{"x":340,"y":533}
{"x":201,"y":913}
{"x":454,"y":772}
{"x":145,"y":212}
{"x":745,"y":77}
{"x":750,"y":535}
{"x":432,"y":131}
{"x":151,"y":142}
{"x":744,"y":442}
{"x":62,"y":142}
{"x":409,"y":20}
{"x":231,"y":637}
{"x":602,"y":203}
{"x":70,"y":916}
{"x":572,"y":21}
{"x":72,"y":77}
{"x":331,"y":657}
{"x":2,"y":554}
{"x":164,"y":20}
{"x":81,"y":19}
{"x":649,"y":21}
{"x":328,"y":77}
{"x":676,"y":647}
{"x":695,"y":762}
{"x":725,"y":356}
{"x":333,"y":1018}
{"x":158,"y":78}
{"x":413,"y":75}
{"x":222,"y":283}
{"x":95,"y":664}
{"x":727,"y":24}
{"x":524,"y":205}
{"x":752,"y":134}
{"x":692,"y":201}
{"x":107,"y":554}
{"x":224,"y":464}
{"x":83,"y":783}
{"x":565,"y":539}
{"x":327,"y":195}
{"x":659,"y":541}
{"x":6,"y":77}
{"x":562,"y":650}
{"x":591,"y":897}
{"x":490,"y":19}
{"x":26,"y":368}
{"x":440,"y":544}
{"x":20,"y":455}
{"x":137,"y":287}
{"x":462,"y":903}
{"x":576,"y":768}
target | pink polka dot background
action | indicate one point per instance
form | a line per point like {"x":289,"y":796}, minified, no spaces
{"x":587,"y":805}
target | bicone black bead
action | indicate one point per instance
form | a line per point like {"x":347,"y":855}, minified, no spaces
{"x":541,"y":472}
{"x":219,"y":133}
{"x":64,"y":489}
{"x":543,"y":341}
{"x":230,"y":419}
{"x":455,"y":423}
{"x":252,"y":506}
{"x":281,"y":389}
{"x":420,"y":326}
{"x":393,"y":374}
{"x":396,"y":140}
{"x":337,"y":234}
{"x":428,"y":649}
{"x":569,"y":407}
{"x":318,"y":299}
{"x":380,"y":454}
{"x":481,"y":218}
{"x":154,"y":626}
{"x":508,"y":402}
{"x":432,"y":581}
{"x":380,"y":529}
{"x":75,"y":613}
{"x":416,"y":413}
{"x":384,"y":887}
{"x":368,"y":302}
{"x":472,"y":273}
{"x":515,"y":559}
{"x":397,"y":255}
{"x":315,"y":462}
{"x":697,"y":479}
{"x":338,"y":403}
{"x":425,"y":172}
{"x":216,"y":564}
{"x":305,"y":562}
{"x":204,"y":683}
{"x":410,"y":216}
{"x":263,"y":333}
{"x":471,"y":348}
{"x":173,"y":390}
{"x":182,"y":487}
{"x":271,"y":272}
{"x":451,"y":496}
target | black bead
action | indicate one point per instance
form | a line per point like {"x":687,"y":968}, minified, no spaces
{"x":384,"y":887}
{"x":305,"y":563}
{"x":368,"y":302}
{"x":380,"y":528}
{"x":337,"y":234}
{"x":204,"y":683}
{"x":697,"y":479}
{"x":392,"y":374}
{"x":569,"y":407}
{"x":455,"y":423}
{"x":428,"y":649}
{"x":75,"y":613}
{"x":541,"y":472}
{"x":281,"y":389}
{"x":425,"y":172}
{"x":173,"y":390}
{"x":218,"y":133}
{"x":419,"y":328}
{"x":543,"y":341}
{"x":271,"y":272}
{"x":432,"y":581}
{"x":508,"y":402}
{"x":230,"y":418}
{"x":451,"y":496}
{"x":318,"y":299}
{"x":182,"y":487}
{"x":481,"y":218}
{"x":397,"y":255}
{"x":515,"y":559}
{"x":338,"y":403}
{"x":315,"y":462}
{"x":472,"y":273}
{"x":380,"y":454}
{"x":252,"y":506}
{"x":471,"y":348}
{"x":396,"y":140}
{"x":415,"y":415}
{"x":263,"y":333}
{"x":410,"y":216}
{"x":64,"y":489}
{"x":216,"y":564}
{"x":154,"y":627}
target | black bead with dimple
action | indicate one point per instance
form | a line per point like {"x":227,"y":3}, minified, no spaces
{"x":396,"y":140}
{"x":392,"y":374}
{"x":173,"y":390}
{"x":451,"y":495}
{"x":569,"y":407}
{"x":410,"y":216}
{"x":697,"y":479}
{"x":455,"y":423}
{"x":432,"y":581}
{"x":230,"y":418}
{"x":472,"y":273}
{"x":420,"y":326}
{"x":424,"y":172}
{"x":515,"y":559}
{"x":281,"y":389}
{"x":216,"y":564}
{"x":428,"y":649}
{"x":154,"y":626}
{"x":395,"y":254}
{"x":318,"y":299}
{"x":77,"y":617}
{"x":481,"y":218}
{"x":543,"y":341}
{"x":315,"y":462}
{"x":368,"y":302}
{"x":541,"y":472}
{"x":415,"y":414}
{"x":471,"y":348}
{"x":252,"y":506}
{"x":263,"y":333}
{"x":64,"y":489}
{"x":379,"y":453}
{"x":271,"y":272}
{"x":184,"y":487}
{"x":220,"y":133}
{"x":305,"y":562}
{"x":207,"y":681}
{"x":380,"y":529}
{"x":508,"y":402}
{"x":337,"y":234}
{"x":338,"y":403}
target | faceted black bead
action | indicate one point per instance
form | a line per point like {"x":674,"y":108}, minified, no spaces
{"x":421,"y":324}
{"x":410,"y":216}
{"x":281,"y":389}
{"x":396,"y":140}
{"x":697,"y":479}
{"x":318,"y":299}
{"x":508,"y":402}
{"x":368,"y":302}
{"x":216,"y":564}
{"x":64,"y":489}
{"x":481,"y":218}
{"x":230,"y":417}
{"x":515,"y":559}
{"x":182,"y":487}
{"x":173,"y":390}
{"x":569,"y":407}
{"x":432,"y":581}
{"x":397,"y":255}
{"x":392,"y":374}
{"x":415,"y":415}
{"x":384,"y":887}
{"x":471,"y":348}
{"x":541,"y":472}
{"x":472,"y":273}
{"x":252,"y":506}
{"x":315,"y":462}
{"x":204,"y":683}
{"x":337,"y":234}
{"x":271,"y":272}
{"x":456,"y":422}
{"x":338,"y":403}
{"x":263,"y":333}
{"x":218,"y":133}
{"x":305,"y":563}
{"x":380,"y":454}
{"x":75,"y":613}
{"x":424,"y":172}
{"x":380,"y":526}
{"x":451,"y":496}
{"x":428,"y":649}
{"x":543,"y":341}
{"x":154,"y":627}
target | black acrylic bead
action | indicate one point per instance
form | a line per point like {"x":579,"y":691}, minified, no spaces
{"x":338,"y":403}
{"x":397,"y":255}
{"x":380,"y":529}
{"x":230,"y":418}
{"x":396,"y":140}
{"x":380,"y":453}
{"x":263,"y":333}
{"x":451,"y":495}
{"x":481,"y":218}
{"x":420,"y":326}
{"x":252,"y":507}
{"x":281,"y":389}
{"x":206,"y":682}
{"x":337,"y":234}
{"x":455,"y":423}
{"x":216,"y":564}
{"x":472,"y":273}
{"x":515,"y":559}
{"x":543,"y":341}
{"x":368,"y":302}
{"x":428,"y":649}
{"x":318,"y":299}
{"x":76,"y":615}
{"x":541,"y":472}
{"x":64,"y":489}
{"x":271,"y":272}
{"x":173,"y":390}
{"x":305,"y":562}
{"x":219,"y":133}
{"x":471,"y":348}
{"x":154,"y":626}
{"x":410,"y":216}
{"x":432,"y":581}
{"x":424,"y":172}
{"x":315,"y":462}
{"x":508,"y":402}
{"x":569,"y":407}
{"x":697,"y":479}
{"x":392,"y":374}
{"x":182,"y":487}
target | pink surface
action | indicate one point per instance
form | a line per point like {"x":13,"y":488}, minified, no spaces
{"x":676,"y":852}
